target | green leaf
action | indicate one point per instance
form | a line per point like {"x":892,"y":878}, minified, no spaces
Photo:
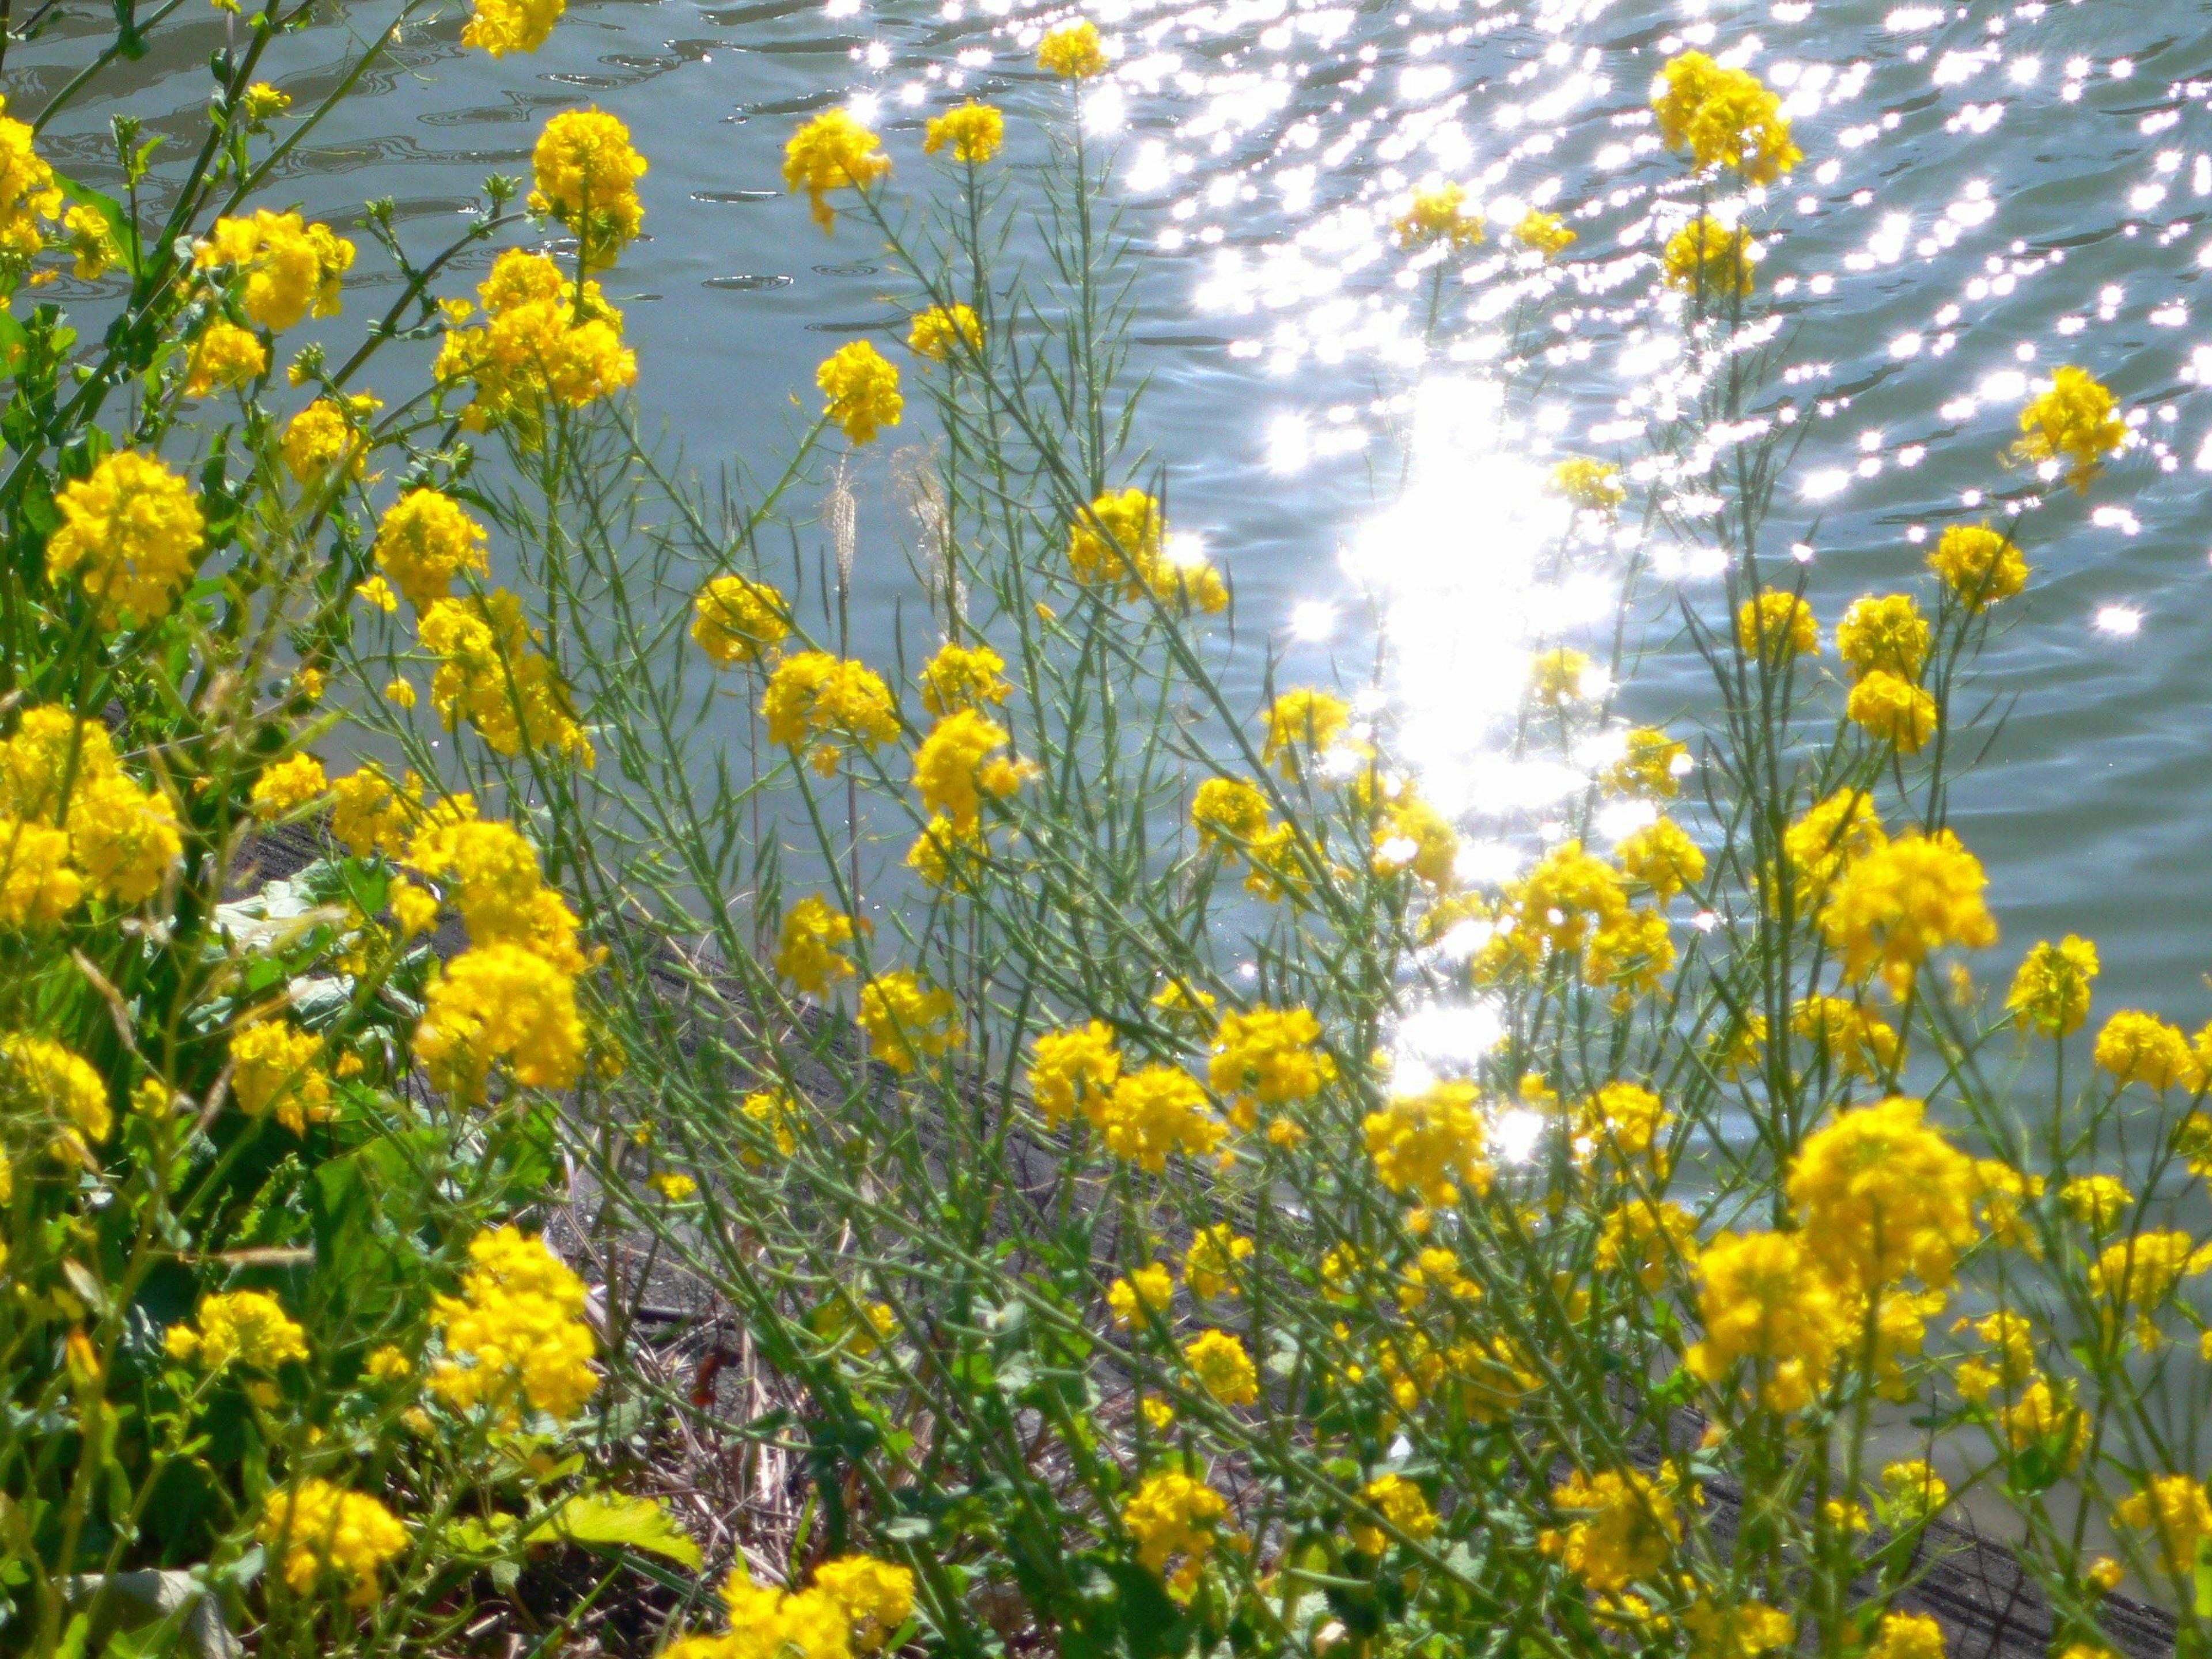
{"x":119,"y":226}
{"x":610,"y":1521}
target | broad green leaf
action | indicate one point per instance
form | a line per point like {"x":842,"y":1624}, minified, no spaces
{"x":606,"y":1520}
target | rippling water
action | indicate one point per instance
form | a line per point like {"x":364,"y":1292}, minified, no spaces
{"x":1987,"y":190}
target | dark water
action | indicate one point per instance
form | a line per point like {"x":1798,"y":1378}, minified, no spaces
{"x":1987,"y":190}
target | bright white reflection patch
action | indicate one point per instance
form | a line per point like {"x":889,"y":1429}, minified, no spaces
{"x":2122,"y":622}
{"x":1516,"y":1134}
{"x":1313,"y":619}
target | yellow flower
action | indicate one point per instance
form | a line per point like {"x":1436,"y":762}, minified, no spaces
{"x":778,"y":1117}
{"x":1209,"y":1266}
{"x":2046,"y":1416}
{"x":1887,"y":910}
{"x":1074,"y":1070}
{"x":262,"y":103}
{"x":1270,"y":1057}
{"x":1411,"y":835}
{"x":1073,"y":50}
{"x":1151,"y":1113}
{"x":546,"y":341}
{"x":1545,"y":232}
{"x":958,"y":766}
{"x":1140,"y":1298}
{"x":1556,"y":678}
{"x":288,"y":267}
{"x":322,"y":442}
{"x":226,"y":356}
{"x":243,"y":1327}
{"x":1627,"y":1528}
{"x":489,"y":676}
{"x":424,"y":541}
{"x":1436,"y":214}
{"x":2174,"y":1509}
{"x":1557,"y":904}
{"x":91,"y":242}
{"x":276,"y":1069}
{"x":875,"y":1596}
{"x":1171,"y":1515}
{"x":134,"y":530}
{"x":861,"y":386}
{"x":1763,"y":1299}
{"x":291,"y":784}
{"x":501,"y":27}
{"x":1117,"y":539}
{"x":1884,"y":632}
{"x":37,"y":886}
{"x":1648,"y":1238}
{"x":1892,"y":710}
{"x":1850,"y":1038}
{"x":370,"y":814}
{"x":1621,"y":1120}
{"x":1593,"y":486}
{"x":1906,"y":1636}
{"x":1744,"y":1630}
{"x":27,"y":191}
{"x":672,"y":1186}
{"x":515,"y":1333}
{"x":935,"y":330}
{"x":2139,"y":1047}
{"x":1913,"y":1493}
{"x":317,"y":1529}
{"x":736,"y":619}
{"x":807,"y":949}
{"x":586,"y":175}
{"x":1662,"y":857}
{"x":1978,"y":564}
{"x":963,"y":677}
{"x":1833,"y":834}
{"x":41,"y":1078}
{"x":2051,"y":991}
{"x":1882,"y":1195}
{"x":975,"y":130}
{"x":1401,"y":1504}
{"x":948,"y":859}
{"x":1227,"y":813}
{"x":1704,"y":258}
{"x":1724,"y":118}
{"x":1430,"y":1144}
{"x":1222,"y":1367}
{"x":906,"y":1016}
{"x":2077,"y":422}
{"x":1776,"y":627}
{"x":500,"y":1003}
{"x":2097,"y":1202}
{"x":493,"y":876}
{"x":2141,"y":1272}
{"x":389,"y":1364}
{"x":1651,"y":766}
{"x":833,"y":151}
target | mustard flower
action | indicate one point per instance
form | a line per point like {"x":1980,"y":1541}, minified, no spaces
{"x":500,"y":26}
{"x":936,"y":330}
{"x":1651,"y":766}
{"x":291,"y":784}
{"x":1627,"y":1530}
{"x":1723,"y":117}
{"x":1890,"y":909}
{"x":1222,"y":1367}
{"x":516,"y":1334}
{"x":1880,"y":1194}
{"x":1558,"y":677}
{"x":1151,"y":1113}
{"x":1435,"y":215}
{"x":1622,"y":1120}
{"x":276,"y":1070}
{"x":1117,"y":539}
{"x":284,"y":267}
{"x":1662,"y":857}
{"x":248,"y":1328}
{"x":833,"y":151}
{"x":322,"y":441}
{"x":738,"y":620}
{"x":1906,"y":1636}
{"x":1593,"y":486}
{"x":1073,"y":50}
{"x":2051,"y":991}
{"x":1893,"y":711}
{"x":1776,"y":626}
{"x":131,"y":533}
{"x":1172,"y":1516}
{"x":1074,"y":1070}
{"x":2075,"y":421}
{"x":317,"y":1530}
{"x":546,"y":341}
{"x":1401,"y":1504}
{"x":1430,"y":1145}
{"x":1543,"y":233}
{"x":586,"y":172}
{"x":501,"y":1004}
{"x":2097,"y":1202}
{"x":225,"y":356}
{"x":2135,"y":1047}
{"x":424,"y":541}
{"x":1141,"y":1297}
{"x":1763,"y":1299}
{"x":1646,"y":1238}
{"x":809,"y":948}
{"x":29,"y":193}
{"x":1270,"y":1057}
{"x":2174,"y":1510}
{"x":861,"y":386}
{"x":975,"y":130}
{"x":961,"y":677}
{"x":1704,"y":258}
{"x":958,"y":766}
{"x":875,"y":1597}
{"x":1883,"y":632}
{"x":41,"y":1079}
{"x":37,"y":887}
{"x":1978,"y":564}
{"x":1852,"y":1040}
{"x":1209,"y":1266}
{"x":905,"y":1017}
{"x":490,"y":676}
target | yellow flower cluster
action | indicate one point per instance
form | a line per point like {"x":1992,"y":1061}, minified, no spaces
{"x":2077,"y":423}
{"x":225,"y":357}
{"x":958,"y":766}
{"x":276,"y":1070}
{"x":1650,"y":767}
{"x":963,"y":677}
{"x":131,"y":533}
{"x":1883,"y":633}
{"x":2174,"y":1510}
{"x":1906,"y":1636}
{"x":1267,"y":1057}
{"x":1222,"y":1367}
{"x":1141,"y":1297}
{"x":975,"y":130}
{"x":1438,"y":214}
{"x":778,"y":1116}
{"x":1430,"y":1145}
{"x":1170,"y":1516}
{"x":1888,"y":909}
{"x":862,"y":389}
{"x":291,"y":784}
{"x":239,"y":1327}
{"x":1302,"y":726}
{"x":1648,"y":1238}
{"x":317,"y":1530}
{"x":1662,"y":857}
{"x":28,"y":193}
{"x":586,"y":172}
{"x":2051,"y":989}
{"x":1706,"y":258}
{"x":737,"y":620}
{"x":1593,"y":486}
{"x":370,"y":814}
{"x":1073,"y":50}
{"x":936,"y":330}
{"x":280,"y":267}
{"x":1074,"y":1070}
{"x":515,"y":1333}
{"x":500,"y":1003}
{"x":856,"y":1605}
{"x":1209,"y":1266}
{"x":1848,"y":1037}
{"x":1776,"y":626}
{"x":1723,"y":117}
{"x":808,"y":952}
{"x":1543,"y":233}
{"x":1119,"y":541}
{"x":2135,"y":1047}
{"x":1763,"y":1300}
{"x":815,"y":702}
{"x":1627,"y":1528}
{"x":1572,"y":901}
{"x":500,"y":26}
{"x":41,"y":1078}
{"x":424,"y":542}
{"x":906,"y":1016}
{"x":833,"y":151}
{"x":1892,"y":710}
{"x":1622,"y":1120}
{"x":489,"y":675}
{"x":1980,"y":565}
{"x":327,"y":440}
{"x":1882,"y":1195}
{"x":544,"y":342}
{"x":1153,"y":1112}
{"x":72,"y":823}
{"x":1401,"y":1504}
